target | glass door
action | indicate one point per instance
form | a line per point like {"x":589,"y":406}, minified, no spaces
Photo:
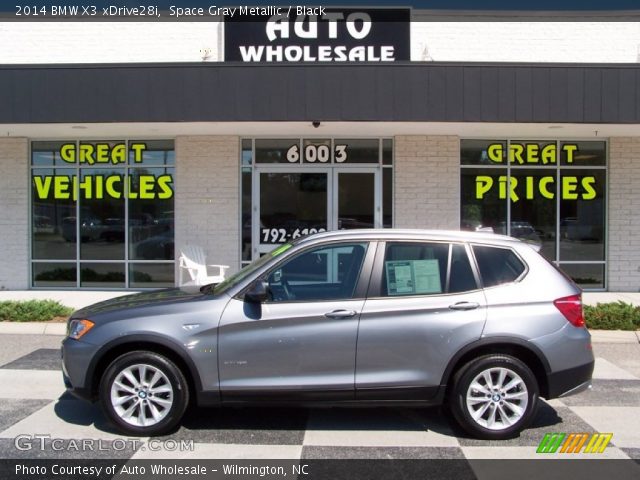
{"x":289,"y":204}
{"x":357,"y":198}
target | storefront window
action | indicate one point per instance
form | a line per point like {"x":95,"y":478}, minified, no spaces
{"x":301,"y":186}
{"x":551,"y":193}
{"x":112,"y":204}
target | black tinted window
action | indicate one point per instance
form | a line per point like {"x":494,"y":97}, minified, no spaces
{"x":325,"y":273}
{"x":461,"y":278}
{"x":497,"y":265}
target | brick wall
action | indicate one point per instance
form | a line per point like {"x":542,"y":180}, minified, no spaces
{"x":624,"y":214}
{"x":523,"y":41}
{"x":427,"y":182}
{"x":109,"y":42}
{"x":502,"y":41}
{"x":14,"y":220}
{"x":207,"y":197}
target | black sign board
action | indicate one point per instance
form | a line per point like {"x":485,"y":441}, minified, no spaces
{"x":319,"y":35}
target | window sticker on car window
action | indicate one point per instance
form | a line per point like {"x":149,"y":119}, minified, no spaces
{"x":413,"y":277}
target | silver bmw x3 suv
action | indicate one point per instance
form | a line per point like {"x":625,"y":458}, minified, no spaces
{"x":477,"y":322}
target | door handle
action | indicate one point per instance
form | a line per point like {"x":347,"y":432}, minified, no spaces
{"x":340,"y":314}
{"x":464,"y":306}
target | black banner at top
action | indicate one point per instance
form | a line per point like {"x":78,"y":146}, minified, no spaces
{"x":318,"y":34}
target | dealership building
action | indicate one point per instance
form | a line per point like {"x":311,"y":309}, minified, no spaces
{"x":123,"y":142}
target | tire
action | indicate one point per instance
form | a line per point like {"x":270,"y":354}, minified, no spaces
{"x":151,"y":406}
{"x":504,"y":413}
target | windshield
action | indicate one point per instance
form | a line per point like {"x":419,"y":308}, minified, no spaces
{"x":236,"y":278}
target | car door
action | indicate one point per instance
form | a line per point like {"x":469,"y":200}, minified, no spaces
{"x":424,"y":304}
{"x":301,"y":342}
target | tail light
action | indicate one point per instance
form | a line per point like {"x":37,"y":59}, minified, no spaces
{"x":571,"y":308}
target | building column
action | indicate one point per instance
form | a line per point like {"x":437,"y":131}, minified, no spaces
{"x":427,"y":182}
{"x":14,"y":219}
{"x":624,"y":214}
{"x":207,"y":197}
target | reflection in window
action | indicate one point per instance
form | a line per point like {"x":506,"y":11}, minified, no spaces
{"x":358,"y":150}
{"x":533,"y":209}
{"x":476,"y":152}
{"x":387,"y":197}
{"x":151,"y":275}
{"x":275,"y":150}
{"x":551,"y":193}
{"x":151,"y":227}
{"x":101,"y":216}
{"x":54,"y":275}
{"x":483,"y":200}
{"x":585,"y":275}
{"x":497,"y":265}
{"x":113,"y":203}
{"x":110,"y":275}
{"x":327,"y":273}
{"x":53,"y":220}
{"x":582,"y":215}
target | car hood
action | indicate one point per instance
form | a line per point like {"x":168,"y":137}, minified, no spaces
{"x":135,"y":301}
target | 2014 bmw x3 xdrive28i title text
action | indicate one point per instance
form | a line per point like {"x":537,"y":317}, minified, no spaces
{"x":479,"y":322}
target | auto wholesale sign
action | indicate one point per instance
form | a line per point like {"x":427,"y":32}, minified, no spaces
{"x":291,"y":34}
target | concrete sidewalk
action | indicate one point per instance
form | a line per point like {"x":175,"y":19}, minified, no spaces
{"x":81,"y":298}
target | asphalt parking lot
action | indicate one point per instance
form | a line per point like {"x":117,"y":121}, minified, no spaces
{"x":38,"y":420}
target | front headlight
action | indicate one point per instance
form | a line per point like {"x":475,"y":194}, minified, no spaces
{"x":78,"y":327}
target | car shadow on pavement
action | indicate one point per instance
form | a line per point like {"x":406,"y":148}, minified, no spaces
{"x":84,"y":414}
{"x":248,"y":424}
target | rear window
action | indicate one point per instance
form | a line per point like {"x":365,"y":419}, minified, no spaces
{"x":497,"y":265}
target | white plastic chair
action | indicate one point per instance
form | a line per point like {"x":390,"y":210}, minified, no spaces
{"x":193,"y":261}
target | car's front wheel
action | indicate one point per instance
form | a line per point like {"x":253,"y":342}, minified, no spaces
{"x":494,"y":397}
{"x":144,"y":393}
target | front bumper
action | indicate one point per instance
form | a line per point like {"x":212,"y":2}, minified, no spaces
{"x":571,"y":381}
{"x":76,"y":358}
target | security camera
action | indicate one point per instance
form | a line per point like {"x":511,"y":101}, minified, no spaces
{"x":315,"y":123}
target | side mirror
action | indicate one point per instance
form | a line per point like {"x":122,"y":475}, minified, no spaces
{"x":258,"y":292}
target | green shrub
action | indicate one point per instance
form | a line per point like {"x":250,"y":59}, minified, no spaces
{"x":612,"y":316}
{"x":32,"y":310}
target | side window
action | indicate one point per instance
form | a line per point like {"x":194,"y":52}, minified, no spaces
{"x":326,"y":273}
{"x":461,"y":277}
{"x":497,"y":265}
{"x":414,"y":269}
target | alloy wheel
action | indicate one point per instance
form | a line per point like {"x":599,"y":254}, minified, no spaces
{"x":497,"y":398}
{"x":142,"y":395}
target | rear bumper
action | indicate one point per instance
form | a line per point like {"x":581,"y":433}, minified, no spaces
{"x":571,"y":381}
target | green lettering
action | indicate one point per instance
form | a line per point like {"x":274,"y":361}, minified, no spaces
{"x":68,"y":152}
{"x":483,"y":185}
{"x":570,"y":149}
{"x":569,"y":187}
{"x":495,"y":152}
{"x":137,"y":149}
{"x":164,"y":182}
{"x":43,"y":185}
{"x":588,"y":184}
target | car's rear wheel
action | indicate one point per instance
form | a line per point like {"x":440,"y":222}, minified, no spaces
{"x":494,"y":397}
{"x":144,"y":393}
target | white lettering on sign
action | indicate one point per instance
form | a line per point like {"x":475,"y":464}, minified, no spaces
{"x":281,"y":235}
{"x":358,"y":25}
{"x":278,"y":53}
{"x":317,"y":153}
